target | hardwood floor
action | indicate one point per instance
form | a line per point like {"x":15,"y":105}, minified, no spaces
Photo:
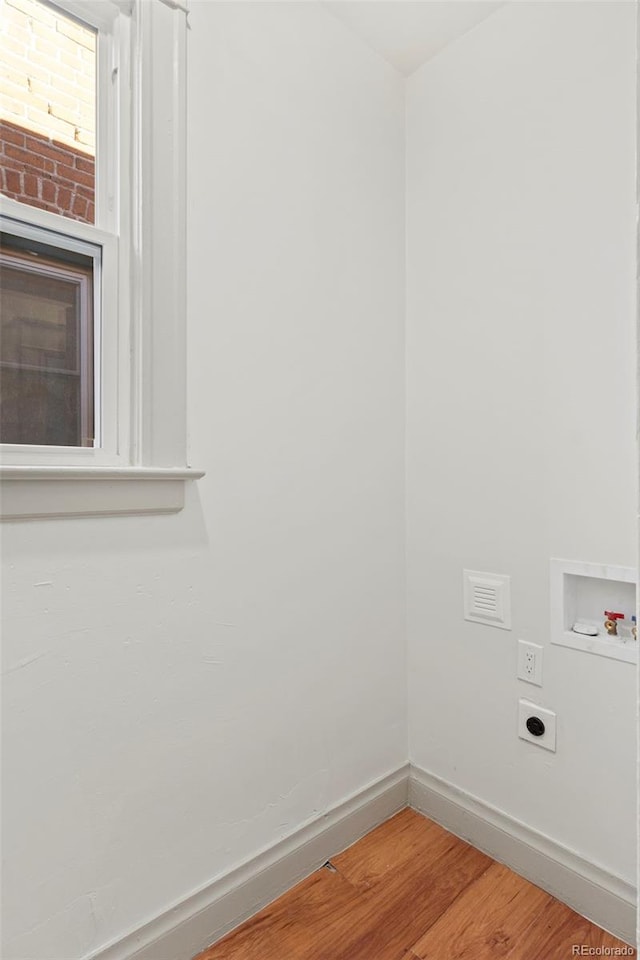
{"x":411,"y":891}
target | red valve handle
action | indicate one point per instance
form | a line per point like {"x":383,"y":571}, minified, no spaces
{"x":613,"y":616}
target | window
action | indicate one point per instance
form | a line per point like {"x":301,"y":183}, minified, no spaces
{"x":50,"y":283}
{"x":48,"y":108}
{"x":46,"y":344}
{"x":92,"y":257}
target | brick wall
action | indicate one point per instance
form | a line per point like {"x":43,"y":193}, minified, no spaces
{"x":47,"y":109}
{"x":46,"y":173}
{"x":48,"y":73}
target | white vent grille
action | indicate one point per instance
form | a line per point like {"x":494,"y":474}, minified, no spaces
{"x":487,"y":598}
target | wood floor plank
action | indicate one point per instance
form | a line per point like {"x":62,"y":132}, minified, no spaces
{"x":291,"y":926}
{"x":392,"y":913}
{"x":487,"y":919}
{"x":556,"y":931}
{"x":411,"y":891}
{"x":401,"y":839}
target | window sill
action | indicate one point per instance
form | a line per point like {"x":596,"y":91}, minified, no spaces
{"x":50,"y":492}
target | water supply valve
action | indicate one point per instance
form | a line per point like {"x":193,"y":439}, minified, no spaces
{"x":611,"y":623}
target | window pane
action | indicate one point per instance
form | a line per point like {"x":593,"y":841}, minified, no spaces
{"x":47,"y":109}
{"x":46,"y":350}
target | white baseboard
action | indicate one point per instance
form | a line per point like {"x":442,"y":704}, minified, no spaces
{"x":189,"y":926}
{"x":202,"y":918}
{"x":592,"y":891}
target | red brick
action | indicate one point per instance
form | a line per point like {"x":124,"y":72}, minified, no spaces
{"x":13,"y":168}
{"x":29,"y":165}
{"x":14,"y":181}
{"x":87,"y":192}
{"x":41,"y":169}
{"x":79,"y":206}
{"x":76,"y":176}
{"x":47,"y":149}
{"x":32,"y":171}
{"x":9,"y":161}
{"x":48,"y":191}
{"x":30,"y":185}
{"x":30,"y":159}
{"x":9,"y":134}
{"x":87,"y":164}
{"x":63,"y":182}
{"x":64,"y":198}
{"x":13,"y":124}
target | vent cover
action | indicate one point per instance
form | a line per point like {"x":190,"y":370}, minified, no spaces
{"x":487,"y":598}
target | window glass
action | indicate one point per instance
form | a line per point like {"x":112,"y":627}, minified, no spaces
{"x":47,"y":109}
{"x":46,"y":352}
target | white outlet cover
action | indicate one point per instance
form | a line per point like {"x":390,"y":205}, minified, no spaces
{"x":534,"y":649}
{"x":527,"y":709}
{"x":487,"y":598}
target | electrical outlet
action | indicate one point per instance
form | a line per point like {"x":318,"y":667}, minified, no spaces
{"x":530,"y":662}
{"x":537,"y":725}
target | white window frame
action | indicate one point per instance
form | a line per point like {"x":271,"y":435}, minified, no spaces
{"x":141,"y":465}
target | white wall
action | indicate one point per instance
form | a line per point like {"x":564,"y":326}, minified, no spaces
{"x":521,"y":403}
{"x":182,"y":691}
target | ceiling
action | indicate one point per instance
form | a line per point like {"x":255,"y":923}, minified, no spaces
{"x":409,"y":32}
